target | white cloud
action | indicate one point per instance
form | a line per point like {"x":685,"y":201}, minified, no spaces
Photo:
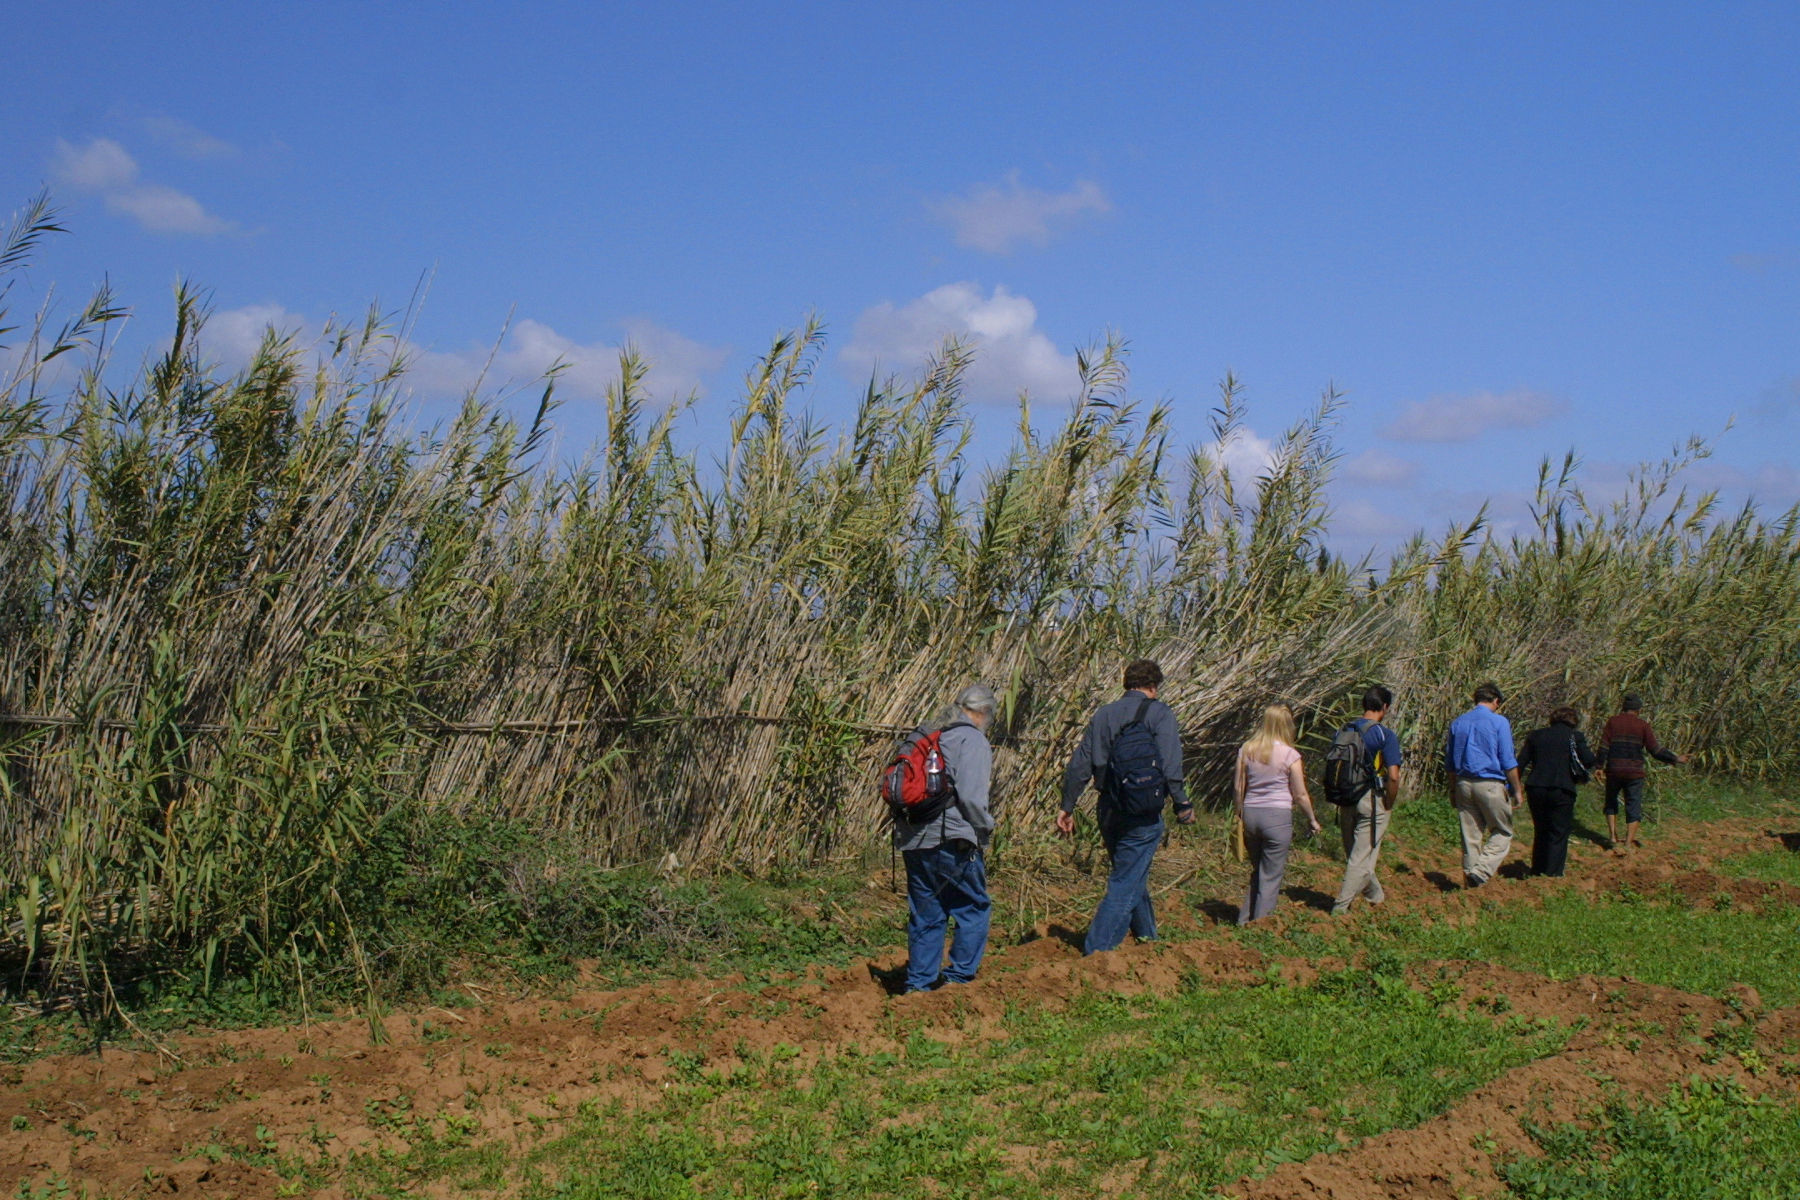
{"x":1246,"y":455}
{"x":162,"y":209}
{"x":95,"y":167}
{"x":102,"y":165}
{"x":231,"y":337}
{"x":1359,"y":517}
{"x":172,"y":133}
{"x":1465,"y":418}
{"x":678,"y":364}
{"x":1378,"y":468}
{"x":1011,"y":354}
{"x":994,"y":216}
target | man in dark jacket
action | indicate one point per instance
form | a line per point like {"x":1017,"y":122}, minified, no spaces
{"x":1131,"y":840}
{"x":1624,"y":742}
{"x":1550,"y":761}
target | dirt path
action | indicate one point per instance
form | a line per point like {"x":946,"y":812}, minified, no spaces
{"x":140,"y":1123}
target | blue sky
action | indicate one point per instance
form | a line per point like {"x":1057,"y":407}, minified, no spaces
{"x":1503,"y":230}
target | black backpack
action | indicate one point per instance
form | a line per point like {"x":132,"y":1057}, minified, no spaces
{"x":1134,"y":769}
{"x":1348,"y":775}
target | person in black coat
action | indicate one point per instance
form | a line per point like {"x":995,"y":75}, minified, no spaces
{"x":1554,"y":760}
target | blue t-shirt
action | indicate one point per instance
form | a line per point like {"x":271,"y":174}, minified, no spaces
{"x":1480,"y":745}
{"x":1382,"y":744}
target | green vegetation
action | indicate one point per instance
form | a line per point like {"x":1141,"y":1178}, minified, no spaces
{"x":1707,"y":1140}
{"x":263,"y":645}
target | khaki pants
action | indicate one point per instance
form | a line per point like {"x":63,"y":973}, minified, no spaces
{"x":1486,"y":825}
{"x":1362,"y":828}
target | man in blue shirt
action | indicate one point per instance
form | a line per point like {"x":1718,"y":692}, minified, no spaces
{"x":1363,"y":824}
{"x":1478,"y":753}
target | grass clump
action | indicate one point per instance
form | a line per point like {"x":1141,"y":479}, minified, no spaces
{"x":1706,"y":1140}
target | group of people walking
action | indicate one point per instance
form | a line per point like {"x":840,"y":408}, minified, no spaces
{"x":1130,"y":753}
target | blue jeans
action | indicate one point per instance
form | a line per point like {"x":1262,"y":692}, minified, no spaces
{"x":945,"y":881}
{"x":1126,"y":907}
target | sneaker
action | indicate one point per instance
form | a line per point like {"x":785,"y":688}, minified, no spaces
{"x":1474,"y":881}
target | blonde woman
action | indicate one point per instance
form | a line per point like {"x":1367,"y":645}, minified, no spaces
{"x":1270,"y":780}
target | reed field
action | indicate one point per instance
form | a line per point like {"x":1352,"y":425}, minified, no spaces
{"x":271,"y":656}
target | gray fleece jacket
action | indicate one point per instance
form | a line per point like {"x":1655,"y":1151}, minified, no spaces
{"x":1089,"y":762}
{"x":970,"y":761}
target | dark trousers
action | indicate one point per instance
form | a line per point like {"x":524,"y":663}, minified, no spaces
{"x":1552,"y":817}
{"x":1632,"y":790}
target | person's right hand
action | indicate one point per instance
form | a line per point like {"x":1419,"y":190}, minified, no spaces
{"x":1065,"y":822}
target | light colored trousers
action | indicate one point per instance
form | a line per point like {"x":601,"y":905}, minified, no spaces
{"x":1362,"y":828}
{"x":1487,"y":825}
{"x":1268,"y":834}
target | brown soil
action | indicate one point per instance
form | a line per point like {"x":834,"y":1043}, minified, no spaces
{"x":129,"y":1123}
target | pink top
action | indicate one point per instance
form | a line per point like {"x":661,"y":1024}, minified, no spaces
{"x":1266,"y":783}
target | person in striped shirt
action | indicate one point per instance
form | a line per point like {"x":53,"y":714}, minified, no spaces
{"x":1624,"y":743}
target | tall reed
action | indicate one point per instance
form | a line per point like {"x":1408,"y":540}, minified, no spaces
{"x":251,"y":622}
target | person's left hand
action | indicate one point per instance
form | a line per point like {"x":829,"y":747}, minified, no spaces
{"x":1185,"y":815}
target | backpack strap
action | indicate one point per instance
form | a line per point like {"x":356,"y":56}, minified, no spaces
{"x":1142,"y":708}
{"x":1363,"y":725}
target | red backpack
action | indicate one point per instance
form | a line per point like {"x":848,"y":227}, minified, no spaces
{"x":916,"y":784}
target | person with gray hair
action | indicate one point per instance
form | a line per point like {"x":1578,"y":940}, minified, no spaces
{"x":946,"y":878}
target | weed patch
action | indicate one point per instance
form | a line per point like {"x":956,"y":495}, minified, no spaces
{"x":1704,"y":1139}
